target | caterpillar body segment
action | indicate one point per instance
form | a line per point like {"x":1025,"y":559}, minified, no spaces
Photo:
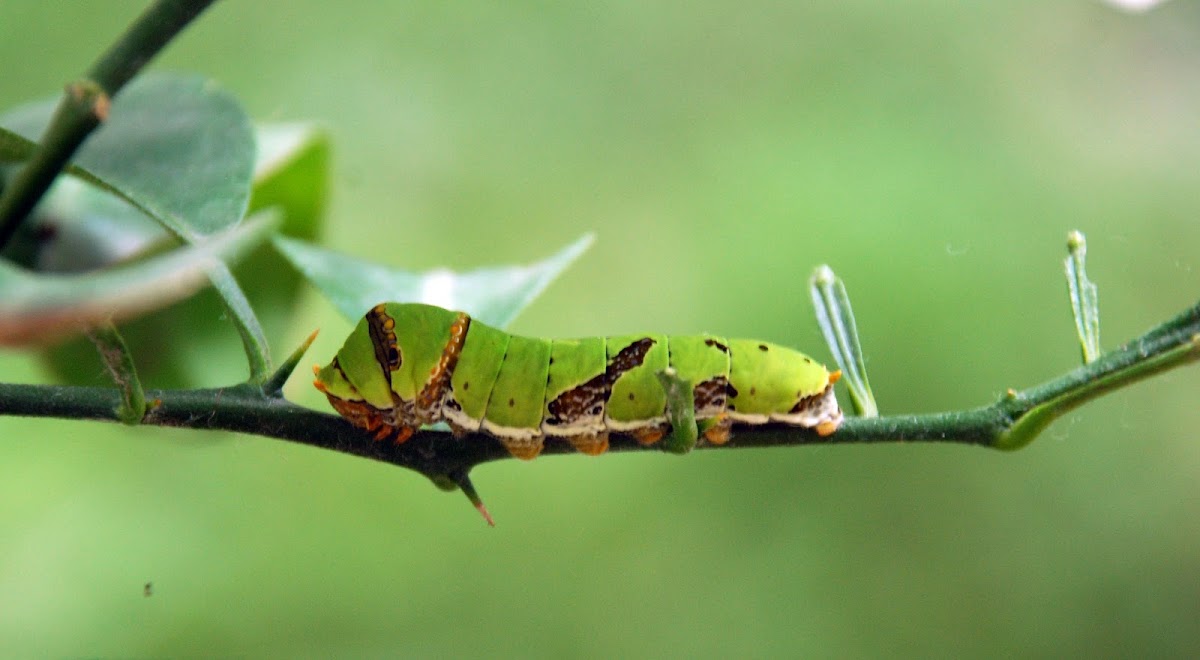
{"x":406,"y":365}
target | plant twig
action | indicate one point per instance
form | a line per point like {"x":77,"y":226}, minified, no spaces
{"x":119,"y":361}
{"x":254,"y":342}
{"x":1008,"y":423}
{"x":86,"y":102}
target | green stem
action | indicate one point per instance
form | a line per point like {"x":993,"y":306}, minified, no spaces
{"x":254,"y":342}
{"x":119,"y":361}
{"x":86,"y":104}
{"x":1007,"y":424}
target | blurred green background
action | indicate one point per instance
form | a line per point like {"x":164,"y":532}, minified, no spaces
{"x":935,"y":154}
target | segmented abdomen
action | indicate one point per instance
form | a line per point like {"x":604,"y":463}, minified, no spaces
{"x":523,"y":389}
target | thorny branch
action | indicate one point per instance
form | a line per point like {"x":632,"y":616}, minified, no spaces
{"x":1009,"y":423}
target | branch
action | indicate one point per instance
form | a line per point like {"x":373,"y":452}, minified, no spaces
{"x":86,"y":104}
{"x":1009,"y":423}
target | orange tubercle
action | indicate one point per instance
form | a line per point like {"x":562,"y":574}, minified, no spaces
{"x":525,"y":449}
{"x":403,"y":434}
{"x":648,"y":436}
{"x":592,"y":445}
{"x":719,"y":433}
{"x":835,"y":376}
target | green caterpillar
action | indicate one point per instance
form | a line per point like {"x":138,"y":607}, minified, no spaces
{"x":407,"y":364}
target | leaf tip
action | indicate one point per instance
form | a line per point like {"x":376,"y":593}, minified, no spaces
{"x":823,"y":275}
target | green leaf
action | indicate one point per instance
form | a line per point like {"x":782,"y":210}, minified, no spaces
{"x":836,"y":319}
{"x":191,"y":344}
{"x":13,"y":146}
{"x":78,"y":227}
{"x":493,"y":295}
{"x":292,"y":172}
{"x":39,"y":308}
{"x":175,"y":146}
{"x":1085,"y":297}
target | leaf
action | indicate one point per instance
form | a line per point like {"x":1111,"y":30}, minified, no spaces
{"x":189,"y":344}
{"x":39,"y":308}
{"x":1085,"y":297}
{"x":836,"y":319}
{"x":492,"y":295}
{"x":13,"y":146}
{"x":175,"y":146}
{"x":78,"y":227}
{"x":292,"y":172}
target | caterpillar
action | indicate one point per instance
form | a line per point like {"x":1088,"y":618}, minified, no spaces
{"x":407,"y":364}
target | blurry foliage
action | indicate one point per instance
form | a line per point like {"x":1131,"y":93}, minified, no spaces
{"x":934,"y":154}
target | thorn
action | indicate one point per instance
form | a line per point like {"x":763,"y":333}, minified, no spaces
{"x":464,"y":483}
{"x":274,"y":384}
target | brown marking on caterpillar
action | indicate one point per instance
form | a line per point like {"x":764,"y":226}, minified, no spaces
{"x":428,"y":408}
{"x":588,"y":399}
{"x":807,"y":403}
{"x":359,"y":413}
{"x":458,"y":430}
{"x":717,"y":345}
{"x":382,"y":329}
{"x":579,"y":401}
{"x":382,"y":423}
{"x":630,"y":357}
{"x":709,"y":396}
{"x":762,"y":347}
{"x":814,"y":400}
{"x":814,"y":404}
